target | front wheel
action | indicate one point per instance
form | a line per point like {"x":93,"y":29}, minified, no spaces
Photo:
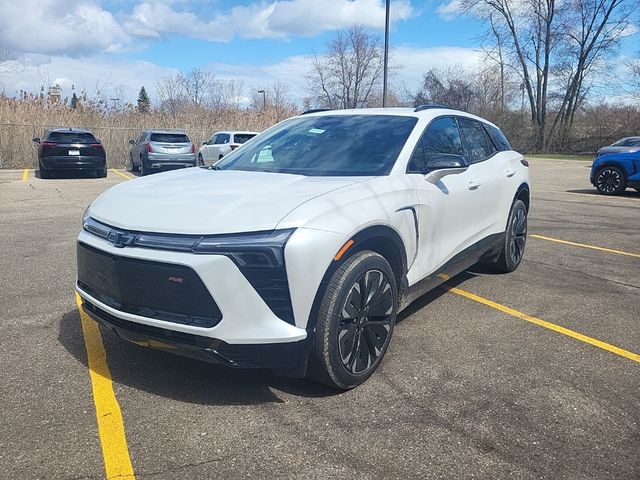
{"x":355,"y":322}
{"x":515,"y":239}
{"x":611,"y":181}
{"x":200,"y":159}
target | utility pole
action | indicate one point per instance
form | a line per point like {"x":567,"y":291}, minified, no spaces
{"x":264,"y":99}
{"x":386,"y":55}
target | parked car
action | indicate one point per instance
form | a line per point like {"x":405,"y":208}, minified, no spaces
{"x":220,"y":144}
{"x":70,"y":149}
{"x":156,"y":150}
{"x":307,"y":241}
{"x":617,"y":167}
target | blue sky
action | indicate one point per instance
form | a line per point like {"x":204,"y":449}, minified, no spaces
{"x":116,"y":46}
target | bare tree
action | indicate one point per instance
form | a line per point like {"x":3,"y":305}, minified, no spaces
{"x":350,"y":71}
{"x":449,"y":86}
{"x":197,"y":86}
{"x":554,"y":46}
{"x":170,"y":92}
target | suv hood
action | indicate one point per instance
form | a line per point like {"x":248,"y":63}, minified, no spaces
{"x":205,"y":202}
{"x":620,"y":149}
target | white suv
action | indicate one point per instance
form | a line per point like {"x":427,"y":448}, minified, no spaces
{"x":306,"y":242}
{"x":221,"y":144}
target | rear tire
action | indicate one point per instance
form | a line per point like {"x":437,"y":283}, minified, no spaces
{"x":611,"y":180}
{"x":143,"y":170}
{"x":355,"y":322}
{"x":515,"y":239}
{"x":101,"y":173}
{"x":44,"y":173}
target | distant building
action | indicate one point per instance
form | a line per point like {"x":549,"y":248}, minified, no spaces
{"x":55,"y":93}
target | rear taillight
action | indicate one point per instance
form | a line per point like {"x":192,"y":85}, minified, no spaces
{"x":524,"y":162}
{"x":48,"y":144}
{"x":193,"y":148}
{"x":97,"y":145}
{"x":233,"y":147}
{"x":149,"y":148}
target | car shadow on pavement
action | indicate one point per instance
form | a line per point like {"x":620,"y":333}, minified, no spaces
{"x":60,"y":175}
{"x":181,"y":378}
{"x":628,"y":193}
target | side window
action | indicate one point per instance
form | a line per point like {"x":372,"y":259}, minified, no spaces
{"x":441,"y":136}
{"x":499,"y":140}
{"x":477,"y":143}
{"x":223,"y":138}
{"x":140,"y":137}
{"x":213,"y":140}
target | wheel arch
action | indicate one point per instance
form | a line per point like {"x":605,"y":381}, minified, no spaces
{"x":523,"y":193}
{"x":380,"y":239}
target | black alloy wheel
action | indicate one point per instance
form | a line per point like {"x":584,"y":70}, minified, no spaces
{"x":515,"y":239}
{"x":611,"y":181}
{"x":366,"y":319}
{"x":355,"y":321}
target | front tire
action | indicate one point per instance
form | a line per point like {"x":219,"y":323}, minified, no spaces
{"x":611,"y":181}
{"x":200,"y":159}
{"x":132,"y":165}
{"x":515,"y":239}
{"x":355,"y":322}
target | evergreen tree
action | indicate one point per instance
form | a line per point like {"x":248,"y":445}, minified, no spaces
{"x":143,"y":101}
{"x":74,"y":100}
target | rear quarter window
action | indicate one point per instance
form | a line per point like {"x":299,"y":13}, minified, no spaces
{"x":243,"y":137}
{"x":169,"y":138}
{"x":498,"y":138}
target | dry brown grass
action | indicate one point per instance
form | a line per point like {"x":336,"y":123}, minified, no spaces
{"x":28,"y":117}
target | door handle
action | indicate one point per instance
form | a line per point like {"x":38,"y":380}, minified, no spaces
{"x":509,"y":173}
{"x":473,"y":185}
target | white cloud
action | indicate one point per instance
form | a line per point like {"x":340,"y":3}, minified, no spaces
{"x":278,"y":19}
{"x":72,"y":27}
{"x":451,"y":10}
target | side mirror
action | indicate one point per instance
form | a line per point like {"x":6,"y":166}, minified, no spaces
{"x":442,"y":164}
{"x":205,"y":143}
{"x":36,"y":139}
{"x":132,"y":142}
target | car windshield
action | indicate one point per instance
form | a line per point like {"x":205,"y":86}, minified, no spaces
{"x":243,"y":137}
{"x":72,"y":137}
{"x":627,"y":142}
{"x":169,"y":138}
{"x":327,"y":145}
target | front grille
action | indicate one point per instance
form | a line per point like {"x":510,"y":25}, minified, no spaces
{"x":163,"y":291}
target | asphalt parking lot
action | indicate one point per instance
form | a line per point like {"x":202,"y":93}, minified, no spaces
{"x":535,"y":374}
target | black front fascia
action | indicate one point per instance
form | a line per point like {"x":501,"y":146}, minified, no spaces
{"x":262,"y":264}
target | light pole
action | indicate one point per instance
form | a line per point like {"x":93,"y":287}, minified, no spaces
{"x":264,"y":99}
{"x":386,"y":54}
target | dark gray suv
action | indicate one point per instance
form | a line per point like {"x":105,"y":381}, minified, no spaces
{"x":70,"y":149}
{"x":157,"y":150}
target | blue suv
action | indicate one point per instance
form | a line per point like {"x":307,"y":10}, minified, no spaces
{"x":617,"y":167}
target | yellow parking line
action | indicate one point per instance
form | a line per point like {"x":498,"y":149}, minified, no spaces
{"x":583,"y":245}
{"x":544,"y":324}
{"x":121,"y":174}
{"x":25,"y":175}
{"x":115,"y":452}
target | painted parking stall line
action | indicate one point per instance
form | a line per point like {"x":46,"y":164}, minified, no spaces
{"x":115,"y":452}
{"x":123,"y":175}
{"x":584,"y":245}
{"x":545,"y":324}
{"x":25,"y":175}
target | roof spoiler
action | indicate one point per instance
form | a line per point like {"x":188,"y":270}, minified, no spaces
{"x":420,"y":108}
{"x":315,"y":110}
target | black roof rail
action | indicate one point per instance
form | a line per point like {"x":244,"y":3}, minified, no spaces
{"x":315,"y":110}
{"x":420,"y":108}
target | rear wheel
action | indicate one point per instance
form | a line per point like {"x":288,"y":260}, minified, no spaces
{"x":515,"y":239}
{"x":101,"y":173}
{"x":355,"y":322}
{"x":611,"y":181}
{"x":143,"y":170}
{"x":44,"y":173}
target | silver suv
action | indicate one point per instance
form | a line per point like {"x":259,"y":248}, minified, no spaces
{"x":156,"y":150}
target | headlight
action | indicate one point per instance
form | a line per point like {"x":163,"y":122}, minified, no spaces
{"x":85,"y":215}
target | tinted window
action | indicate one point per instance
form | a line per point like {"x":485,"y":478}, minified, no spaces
{"x":169,"y":138}
{"x":441,"y":136}
{"x":627,"y":142}
{"x":72,"y":137}
{"x":243,"y":137}
{"x":326,"y":145}
{"x":499,"y":140}
{"x":223,"y":138}
{"x":213,"y":139}
{"x":478,"y":145}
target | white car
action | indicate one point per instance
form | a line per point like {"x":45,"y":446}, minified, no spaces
{"x":221,"y":144}
{"x":307,"y":242}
